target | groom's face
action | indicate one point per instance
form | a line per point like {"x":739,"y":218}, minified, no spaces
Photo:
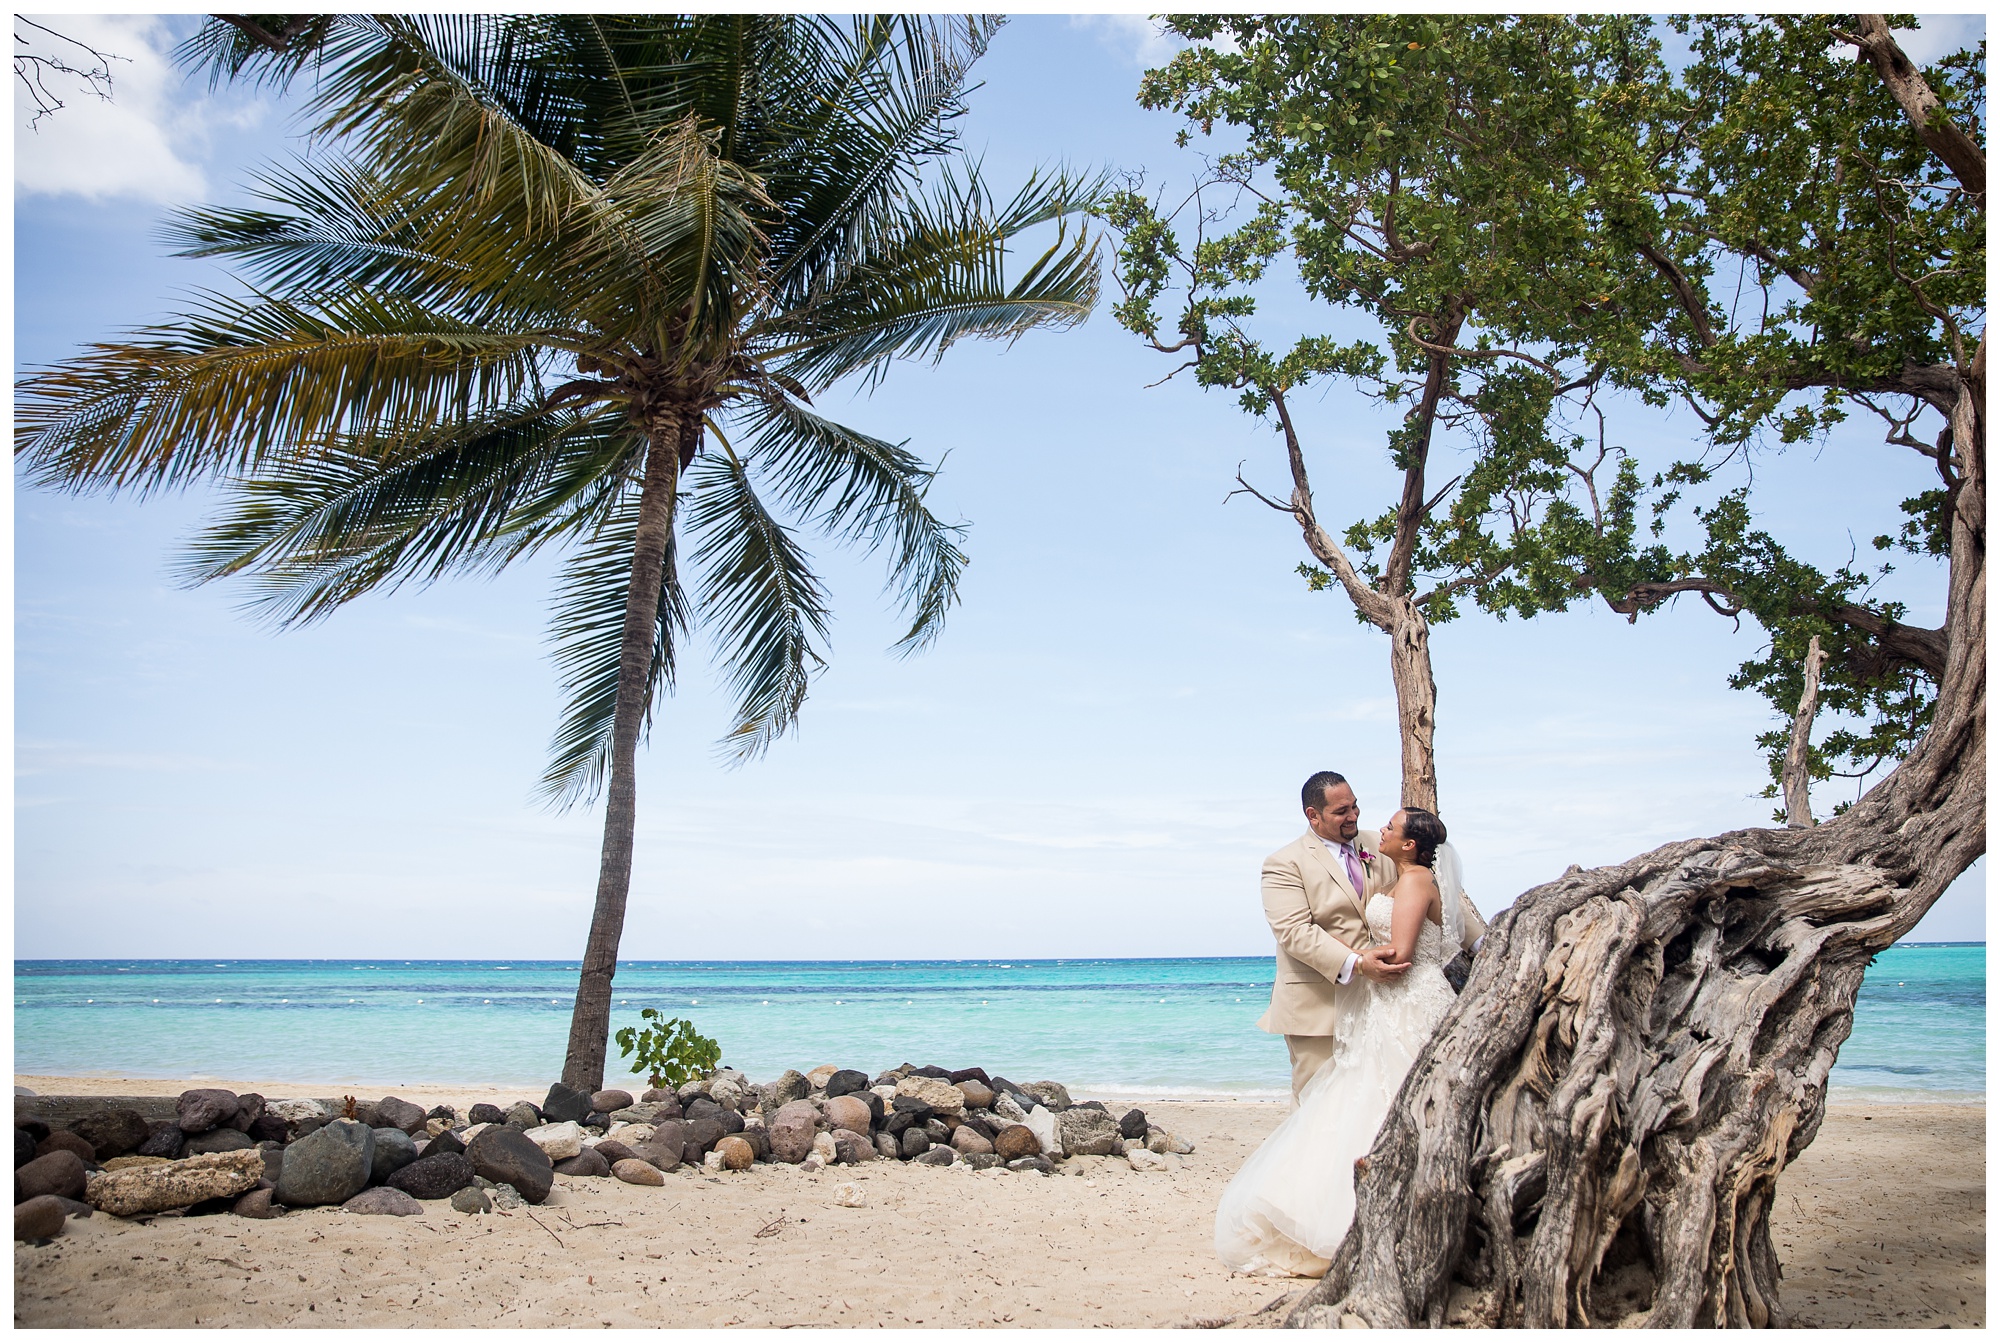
{"x":1338,"y":820}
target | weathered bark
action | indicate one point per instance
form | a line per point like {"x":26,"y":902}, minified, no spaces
{"x":1416,"y":703}
{"x":1797,"y":774}
{"x":1388,"y":609}
{"x":1595,"y":1133}
{"x":590,"y":1021}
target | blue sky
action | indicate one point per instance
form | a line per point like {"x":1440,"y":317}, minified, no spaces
{"x":1092,"y":761}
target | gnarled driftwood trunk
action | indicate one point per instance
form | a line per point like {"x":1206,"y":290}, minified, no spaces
{"x":1595,"y":1134}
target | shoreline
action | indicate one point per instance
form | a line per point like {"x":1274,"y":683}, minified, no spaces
{"x":1880,"y":1223}
{"x":431,"y":1093}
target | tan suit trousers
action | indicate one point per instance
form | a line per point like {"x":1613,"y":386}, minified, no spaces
{"x":1308,"y":1053}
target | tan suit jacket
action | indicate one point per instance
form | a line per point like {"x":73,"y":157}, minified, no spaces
{"x":1317,"y":917}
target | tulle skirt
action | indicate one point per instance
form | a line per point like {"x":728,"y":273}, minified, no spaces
{"x":1288,"y":1208}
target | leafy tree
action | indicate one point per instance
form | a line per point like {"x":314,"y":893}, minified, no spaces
{"x":574,"y":282}
{"x":1788,"y":225}
{"x":1409,"y":208}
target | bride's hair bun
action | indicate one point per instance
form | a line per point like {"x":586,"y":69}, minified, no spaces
{"x":1424,"y":830}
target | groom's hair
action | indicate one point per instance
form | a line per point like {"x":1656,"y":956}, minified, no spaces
{"x":1426,"y":830}
{"x":1313,"y":795}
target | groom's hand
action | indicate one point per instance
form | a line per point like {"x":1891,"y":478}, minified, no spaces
{"x":1380,"y":964}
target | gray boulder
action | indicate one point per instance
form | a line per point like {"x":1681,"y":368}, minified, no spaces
{"x":391,"y":1112}
{"x":608,"y":1101}
{"x":39,"y":1218}
{"x":59,"y":1173}
{"x":1086,"y":1132}
{"x":1133,"y":1125}
{"x":588,"y":1162}
{"x":504,"y":1155}
{"x":846,"y":1082}
{"x":853,"y":1148}
{"x":915,"y":1143}
{"x":936,"y":1156}
{"x":1051,"y":1094}
{"x":659,"y":1155}
{"x":702,"y":1133}
{"x":382,"y":1202}
{"x":112,"y":1132}
{"x":163,"y":1140}
{"x":438,"y":1176}
{"x":447,"y":1141}
{"x":565,"y":1103}
{"x":329,"y":1165}
{"x":483,"y":1113}
{"x":523,"y":1116}
{"x":260,"y":1203}
{"x":790,"y":1086}
{"x":614,"y":1151}
{"x":394,"y":1149}
{"x":249,"y":1109}
{"x":471,"y":1200}
{"x":217,"y":1140}
{"x":203,"y":1108}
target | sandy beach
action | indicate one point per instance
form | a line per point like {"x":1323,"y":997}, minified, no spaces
{"x":1881,"y":1223}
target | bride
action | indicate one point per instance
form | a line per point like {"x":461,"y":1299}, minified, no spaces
{"x":1288,"y":1208}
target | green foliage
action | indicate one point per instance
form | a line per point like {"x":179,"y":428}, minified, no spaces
{"x":669,"y":1051}
{"x":1537,"y":211}
{"x":1376,"y":164}
{"x":526,"y":247}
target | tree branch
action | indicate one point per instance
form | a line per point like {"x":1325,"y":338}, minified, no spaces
{"x":1960,"y":152}
{"x":1453,"y":352}
{"x":1798,"y":781}
{"x":1376,"y":609}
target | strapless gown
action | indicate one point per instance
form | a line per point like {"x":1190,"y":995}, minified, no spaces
{"x":1287,"y":1210}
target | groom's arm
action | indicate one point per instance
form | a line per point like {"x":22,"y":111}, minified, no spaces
{"x":1473,"y":925}
{"x":1290,"y":917}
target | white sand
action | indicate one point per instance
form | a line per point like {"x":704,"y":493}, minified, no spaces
{"x":1882,"y":1222}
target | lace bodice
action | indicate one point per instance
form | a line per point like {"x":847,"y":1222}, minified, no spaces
{"x":1430,"y":938}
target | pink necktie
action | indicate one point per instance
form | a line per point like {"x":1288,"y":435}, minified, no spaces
{"x":1353,"y":868}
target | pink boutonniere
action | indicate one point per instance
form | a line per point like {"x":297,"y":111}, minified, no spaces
{"x":1366,"y":856}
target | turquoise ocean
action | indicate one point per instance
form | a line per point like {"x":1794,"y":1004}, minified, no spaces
{"x":1183,"y":1027}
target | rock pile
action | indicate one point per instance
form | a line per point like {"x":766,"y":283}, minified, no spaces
{"x":228,"y":1153}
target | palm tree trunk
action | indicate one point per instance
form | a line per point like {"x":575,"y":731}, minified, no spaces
{"x":590,"y":1021}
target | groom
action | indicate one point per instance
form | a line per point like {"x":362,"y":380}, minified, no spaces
{"x":1315,"y":891}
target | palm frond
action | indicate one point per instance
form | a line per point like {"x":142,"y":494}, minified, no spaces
{"x":758,"y":598}
{"x":311,"y":533}
{"x":870,"y":491}
{"x":240,"y":379}
{"x":588,"y":631}
{"x":941,"y":277}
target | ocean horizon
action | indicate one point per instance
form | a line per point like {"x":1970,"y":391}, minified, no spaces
{"x":1163,"y":1027}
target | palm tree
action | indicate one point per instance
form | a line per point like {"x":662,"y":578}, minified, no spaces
{"x":711,"y":219}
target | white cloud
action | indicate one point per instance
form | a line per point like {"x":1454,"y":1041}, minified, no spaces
{"x":145,"y":141}
{"x":1134,"y":37}
{"x":1938,"y":35}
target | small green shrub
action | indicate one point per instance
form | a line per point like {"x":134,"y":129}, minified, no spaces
{"x":670,"y":1051}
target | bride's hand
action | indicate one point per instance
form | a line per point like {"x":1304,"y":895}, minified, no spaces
{"x":1380,"y":964}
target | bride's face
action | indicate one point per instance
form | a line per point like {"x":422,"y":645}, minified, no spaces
{"x":1392,"y":840}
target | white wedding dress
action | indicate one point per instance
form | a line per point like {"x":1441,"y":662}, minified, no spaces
{"x":1287,"y":1210}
